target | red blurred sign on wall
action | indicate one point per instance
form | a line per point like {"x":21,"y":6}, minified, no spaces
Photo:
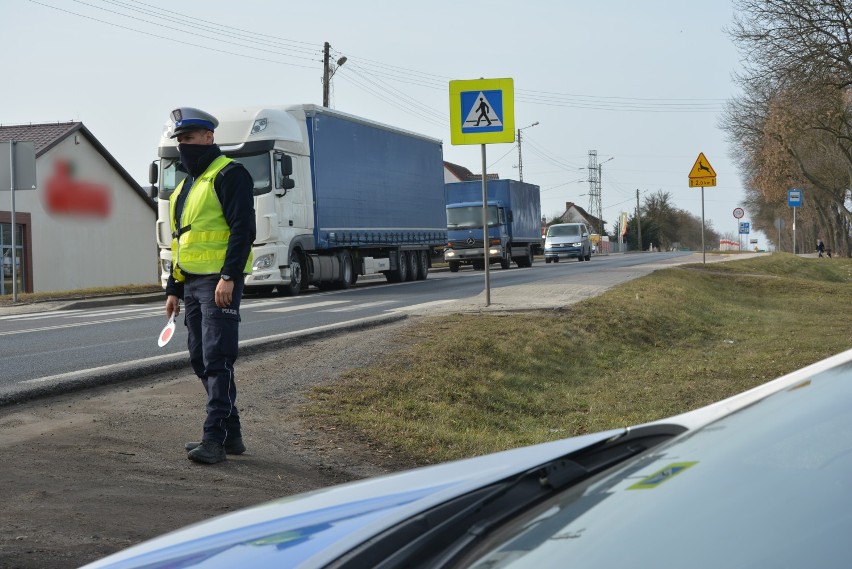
{"x":65,"y":195}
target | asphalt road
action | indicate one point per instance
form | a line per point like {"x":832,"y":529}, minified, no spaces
{"x":48,"y":351}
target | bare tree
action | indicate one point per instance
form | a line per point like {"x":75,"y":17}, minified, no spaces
{"x":792,"y":127}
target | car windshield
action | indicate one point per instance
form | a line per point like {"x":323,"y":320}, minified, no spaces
{"x":258,"y":166}
{"x":563,"y":231}
{"x":768,"y":486}
{"x":470,"y":217}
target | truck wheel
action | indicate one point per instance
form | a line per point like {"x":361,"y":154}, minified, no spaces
{"x":297,"y":277}
{"x":400,"y":274}
{"x":422,"y":265}
{"x":454,"y":266}
{"x":478,"y":265}
{"x":547,"y":261}
{"x":527,"y":260}
{"x":346,"y":271}
{"x":580,"y":257}
{"x":506,"y":261}
{"x":413,"y":262}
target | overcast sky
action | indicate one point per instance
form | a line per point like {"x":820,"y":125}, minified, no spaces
{"x":642,"y":83}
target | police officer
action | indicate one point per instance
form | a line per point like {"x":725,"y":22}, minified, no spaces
{"x":213,"y":228}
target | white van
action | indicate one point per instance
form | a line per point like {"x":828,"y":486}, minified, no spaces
{"x":567,"y":240}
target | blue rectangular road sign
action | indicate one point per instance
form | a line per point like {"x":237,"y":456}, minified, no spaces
{"x":482,"y":111}
{"x":745,"y":226}
{"x":794,"y":198}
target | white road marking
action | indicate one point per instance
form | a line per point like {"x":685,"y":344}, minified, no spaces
{"x":362,"y":306}
{"x":74,"y":325}
{"x":305,"y":306}
{"x":38,"y":315}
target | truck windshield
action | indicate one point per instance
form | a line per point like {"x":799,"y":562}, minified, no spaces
{"x":258,"y":166}
{"x":470,"y":217}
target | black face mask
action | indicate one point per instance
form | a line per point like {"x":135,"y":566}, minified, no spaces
{"x":189,"y":155}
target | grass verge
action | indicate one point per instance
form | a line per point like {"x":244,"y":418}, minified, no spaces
{"x":678,"y":339}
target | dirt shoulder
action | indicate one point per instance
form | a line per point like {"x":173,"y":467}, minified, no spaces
{"x":89,"y":473}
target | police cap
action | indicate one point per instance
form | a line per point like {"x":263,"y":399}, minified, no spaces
{"x":187,"y":119}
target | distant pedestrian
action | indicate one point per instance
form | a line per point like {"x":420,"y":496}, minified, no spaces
{"x":820,"y":248}
{"x":828,"y":252}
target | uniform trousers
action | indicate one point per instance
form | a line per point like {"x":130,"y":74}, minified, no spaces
{"x":213,"y":337}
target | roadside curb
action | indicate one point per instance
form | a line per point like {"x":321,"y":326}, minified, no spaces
{"x":140,"y":369}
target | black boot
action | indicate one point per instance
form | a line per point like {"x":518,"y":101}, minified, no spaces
{"x":208,"y":452}
{"x":232,"y":446}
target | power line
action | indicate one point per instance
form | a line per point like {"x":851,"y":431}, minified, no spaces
{"x":170,"y":13}
{"x":514,"y":146}
{"x":172,"y":39}
{"x":389,"y":100}
{"x":191,"y":23}
{"x":355,"y":68}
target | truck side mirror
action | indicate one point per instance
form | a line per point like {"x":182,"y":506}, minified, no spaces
{"x":510,"y":216}
{"x":153,"y":175}
{"x":285,"y":170}
{"x":286,"y":164}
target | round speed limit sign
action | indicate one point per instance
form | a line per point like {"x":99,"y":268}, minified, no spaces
{"x":739,"y":213}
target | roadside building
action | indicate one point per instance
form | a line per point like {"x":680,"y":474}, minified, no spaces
{"x":87,"y":223}
{"x":576,"y":214}
{"x":455,"y":173}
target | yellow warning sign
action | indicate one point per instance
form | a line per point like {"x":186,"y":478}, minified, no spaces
{"x":702,"y":173}
{"x":702,"y":168}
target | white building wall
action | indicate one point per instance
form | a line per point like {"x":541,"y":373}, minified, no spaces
{"x":71,"y":253}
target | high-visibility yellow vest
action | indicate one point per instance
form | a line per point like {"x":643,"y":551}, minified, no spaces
{"x":200,"y":242}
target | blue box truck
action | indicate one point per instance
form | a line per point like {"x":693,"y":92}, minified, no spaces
{"x":513,"y":219}
{"x":336,"y":196}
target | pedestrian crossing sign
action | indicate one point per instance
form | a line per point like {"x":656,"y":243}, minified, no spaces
{"x":482,"y":111}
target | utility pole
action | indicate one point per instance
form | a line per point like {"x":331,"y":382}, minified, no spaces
{"x":599,"y":213}
{"x":328,"y":72}
{"x":326,"y":76}
{"x":520,"y":159}
{"x":638,"y":221}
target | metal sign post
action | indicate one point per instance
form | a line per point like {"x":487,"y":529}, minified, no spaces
{"x":485,"y":240}
{"x":794,"y":200}
{"x":702,"y":174}
{"x":14,"y":248}
{"x":482,"y":111}
{"x":738,"y":214}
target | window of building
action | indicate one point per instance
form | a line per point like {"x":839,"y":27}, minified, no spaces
{"x":20,"y":256}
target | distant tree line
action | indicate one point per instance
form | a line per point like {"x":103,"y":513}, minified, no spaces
{"x":665,"y":227}
{"x":791,"y":126}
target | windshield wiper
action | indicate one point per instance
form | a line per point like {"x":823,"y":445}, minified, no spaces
{"x":439,"y":536}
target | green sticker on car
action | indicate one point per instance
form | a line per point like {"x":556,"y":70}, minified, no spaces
{"x":662,"y":475}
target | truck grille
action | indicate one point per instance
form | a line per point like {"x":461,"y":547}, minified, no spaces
{"x":469,"y":243}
